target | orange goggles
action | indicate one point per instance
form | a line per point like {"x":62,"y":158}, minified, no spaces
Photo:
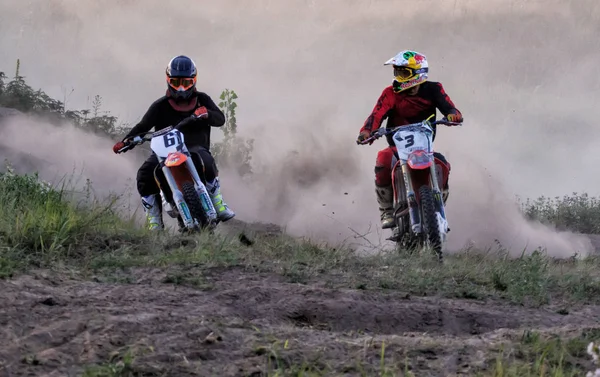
{"x":181,"y":82}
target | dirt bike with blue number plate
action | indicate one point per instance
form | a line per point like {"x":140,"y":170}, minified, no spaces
{"x":422,"y":175}
{"x":185,"y":197}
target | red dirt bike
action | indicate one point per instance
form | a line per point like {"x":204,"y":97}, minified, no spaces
{"x":426,"y":222}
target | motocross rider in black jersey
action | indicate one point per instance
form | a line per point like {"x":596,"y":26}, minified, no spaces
{"x":181,"y":101}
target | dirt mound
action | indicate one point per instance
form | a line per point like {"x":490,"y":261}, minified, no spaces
{"x":56,"y":327}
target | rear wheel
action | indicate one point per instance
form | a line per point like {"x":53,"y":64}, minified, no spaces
{"x":430,"y":219}
{"x":190,"y":195}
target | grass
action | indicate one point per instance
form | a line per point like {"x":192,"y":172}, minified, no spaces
{"x":41,"y":226}
{"x":533,"y":280}
{"x":551,"y":355}
{"x":120,"y":364}
{"x":530,"y":279}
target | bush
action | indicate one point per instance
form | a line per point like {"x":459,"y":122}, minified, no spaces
{"x":578,"y":212}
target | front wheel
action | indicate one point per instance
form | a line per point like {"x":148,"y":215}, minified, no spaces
{"x":190,"y":195}
{"x":430,"y":219}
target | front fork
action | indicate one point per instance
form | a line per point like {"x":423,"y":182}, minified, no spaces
{"x":178,"y":200}
{"x":413,"y":207}
{"x":207,"y":204}
{"x":437,"y":192}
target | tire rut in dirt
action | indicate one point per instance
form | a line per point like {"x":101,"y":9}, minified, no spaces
{"x":371,"y":312}
{"x":391,"y":317}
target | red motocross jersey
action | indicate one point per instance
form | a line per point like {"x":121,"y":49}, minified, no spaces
{"x":401,"y":108}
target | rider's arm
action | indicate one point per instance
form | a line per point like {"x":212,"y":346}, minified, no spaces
{"x":146,"y":124}
{"x":216,"y":118}
{"x":443,"y":101}
{"x":384,"y":104}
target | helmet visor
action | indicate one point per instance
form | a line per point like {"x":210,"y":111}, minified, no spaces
{"x":178,"y":83}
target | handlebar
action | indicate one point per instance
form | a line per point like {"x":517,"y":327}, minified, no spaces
{"x":386,"y":131}
{"x":133,"y":141}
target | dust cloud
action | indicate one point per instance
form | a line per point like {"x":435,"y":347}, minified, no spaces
{"x":80,"y":162}
{"x":524,"y":74}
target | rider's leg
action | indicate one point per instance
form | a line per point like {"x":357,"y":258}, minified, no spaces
{"x":202,"y":157}
{"x":150,"y":193}
{"x":445,"y":175}
{"x":383,"y":187}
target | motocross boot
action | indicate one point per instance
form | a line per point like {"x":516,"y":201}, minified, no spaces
{"x":385,"y":199}
{"x":214,"y":191}
{"x":153,"y":208}
{"x":445,"y":193}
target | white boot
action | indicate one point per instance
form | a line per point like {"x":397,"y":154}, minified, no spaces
{"x":214,"y":191}
{"x":153,"y":208}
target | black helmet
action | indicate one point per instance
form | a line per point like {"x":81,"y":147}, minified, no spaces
{"x":181,"y":77}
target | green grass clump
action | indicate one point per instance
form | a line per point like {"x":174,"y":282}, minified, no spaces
{"x":41,"y":225}
{"x":531,"y":279}
{"x":547,"y":355}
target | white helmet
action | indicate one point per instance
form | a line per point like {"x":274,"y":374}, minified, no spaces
{"x":410,"y":69}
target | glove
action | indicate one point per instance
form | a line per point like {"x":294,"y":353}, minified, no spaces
{"x":117,"y":147}
{"x":201,"y":112}
{"x":454,"y":118}
{"x":362,"y":136}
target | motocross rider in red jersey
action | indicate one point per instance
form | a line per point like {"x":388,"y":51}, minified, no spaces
{"x":181,"y":102}
{"x":410,"y":99}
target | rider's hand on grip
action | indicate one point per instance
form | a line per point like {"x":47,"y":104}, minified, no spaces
{"x":118,"y":146}
{"x":362,"y":137}
{"x":456,"y":118}
{"x":201,"y":112}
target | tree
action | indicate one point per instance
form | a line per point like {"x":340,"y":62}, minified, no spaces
{"x":2,"y":78}
{"x":234,"y":151}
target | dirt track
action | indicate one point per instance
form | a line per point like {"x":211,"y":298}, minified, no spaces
{"x":54,"y":327}
{"x":231,"y":322}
